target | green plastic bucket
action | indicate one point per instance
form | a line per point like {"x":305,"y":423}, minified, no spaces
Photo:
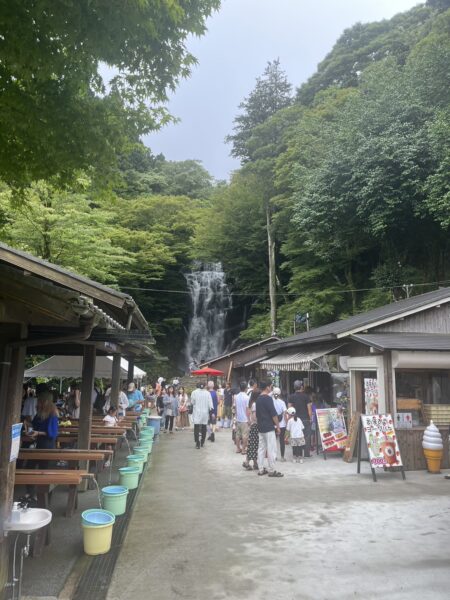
{"x":136,"y":460}
{"x":97,"y":531}
{"x":142,"y":452}
{"x":129,"y":477}
{"x":114,"y":499}
{"x":146,"y":446}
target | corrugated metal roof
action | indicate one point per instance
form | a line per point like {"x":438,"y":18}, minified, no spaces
{"x":405,"y":341}
{"x":298,"y":361}
{"x":388,"y":312}
{"x":238,"y":350}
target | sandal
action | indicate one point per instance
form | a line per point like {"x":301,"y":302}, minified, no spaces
{"x":245,"y":465}
{"x":276,"y":474}
{"x":263,"y":472}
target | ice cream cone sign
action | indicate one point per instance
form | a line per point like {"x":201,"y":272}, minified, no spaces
{"x":433,"y":448}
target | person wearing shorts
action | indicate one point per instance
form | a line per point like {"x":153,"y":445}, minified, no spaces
{"x":242,"y":413}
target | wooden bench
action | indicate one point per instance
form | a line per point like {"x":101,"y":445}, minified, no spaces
{"x":95,"y":440}
{"x":96,"y":430}
{"x":68,"y":455}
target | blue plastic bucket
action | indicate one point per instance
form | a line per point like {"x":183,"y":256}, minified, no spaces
{"x":129,"y":477}
{"x":115,"y":499}
{"x":97,"y":517}
{"x":136,"y":460}
{"x":155,"y":422}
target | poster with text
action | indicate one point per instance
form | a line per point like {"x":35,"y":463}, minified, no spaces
{"x":371,"y":395}
{"x":332,"y":429}
{"x":381,"y":441}
{"x":15,"y":441}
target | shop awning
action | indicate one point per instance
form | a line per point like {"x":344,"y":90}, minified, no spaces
{"x":71,"y":366}
{"x":298,"y":361}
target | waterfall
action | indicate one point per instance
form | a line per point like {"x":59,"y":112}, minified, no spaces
{"x":210,"y":299}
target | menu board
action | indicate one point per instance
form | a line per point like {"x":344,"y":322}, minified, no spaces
{"x":371,"y":395}
{"x":381,"y":441}
{"x":15,"y":441}
{"x":332,"y":429}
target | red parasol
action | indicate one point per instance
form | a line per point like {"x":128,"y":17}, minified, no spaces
{"x":207,"y":371}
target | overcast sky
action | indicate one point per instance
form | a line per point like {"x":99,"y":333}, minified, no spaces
{"x":241,"y":38}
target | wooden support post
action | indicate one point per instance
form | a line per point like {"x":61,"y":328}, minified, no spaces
{"x":12,"y":365}
{"x":115,"y":380}
{"x":85,"y":423}
{"x":130,"y":368}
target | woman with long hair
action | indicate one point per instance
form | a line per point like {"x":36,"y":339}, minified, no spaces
{"x":45,"y":422}
{"x":170,"y":402}
{"x":253,"y":434}
{"x":183,"y":407}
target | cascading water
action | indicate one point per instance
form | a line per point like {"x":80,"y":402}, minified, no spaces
{"x":211,"y":300}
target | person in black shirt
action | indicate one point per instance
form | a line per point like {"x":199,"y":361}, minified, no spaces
{"x":303,"y":408}
{"x":267,"y":419}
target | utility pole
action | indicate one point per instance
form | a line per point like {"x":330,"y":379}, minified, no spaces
{"x":272,"y":273}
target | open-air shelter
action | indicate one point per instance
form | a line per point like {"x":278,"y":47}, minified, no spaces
{"x":48,"y":310}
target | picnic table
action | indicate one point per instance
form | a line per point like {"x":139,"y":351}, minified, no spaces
{"x":97,"y":429}
{"x":94,"y":441}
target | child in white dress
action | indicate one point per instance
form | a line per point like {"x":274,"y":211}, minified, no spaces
{"x":295,"y":429}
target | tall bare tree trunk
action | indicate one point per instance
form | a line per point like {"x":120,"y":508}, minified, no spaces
{"x":272,"y":273}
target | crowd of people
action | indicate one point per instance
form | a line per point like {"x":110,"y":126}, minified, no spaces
{"x":262,"y":422}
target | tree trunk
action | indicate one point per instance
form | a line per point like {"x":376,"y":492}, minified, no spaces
{"x":272,"y":274}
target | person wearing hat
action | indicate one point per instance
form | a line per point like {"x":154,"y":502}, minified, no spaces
{"x":280,"y":407}
{"x":295,"y":429}
{"x":135,"y":397}
{"x":202,"y":404}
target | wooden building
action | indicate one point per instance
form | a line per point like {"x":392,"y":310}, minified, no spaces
{"x":47,"y":310}
{"x":243,"y":363}
{"x":397,"y":358}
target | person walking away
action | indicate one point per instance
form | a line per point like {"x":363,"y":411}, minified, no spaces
{"x":295,"y":429}
{"x":241,"y":401}
{"x":252,"y":444}
{"x":202,"y":404}
{"x":303,"y":409}
{"x":170,"y":402}
{"x":280,"y":407}
{"x":268,"y":427}
{"x":183,"y":405}
{"x":227,"y":404}
{"x":29,"y":408}
{"x":213,"y":414}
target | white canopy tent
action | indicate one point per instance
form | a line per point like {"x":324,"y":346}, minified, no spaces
{"x":71,"y":366}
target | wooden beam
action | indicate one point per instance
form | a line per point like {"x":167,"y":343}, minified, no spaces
{"x":12,"y":365}
{"x":87,"y":385}
{"x":130,"y":368}
{"x":115,"y":380}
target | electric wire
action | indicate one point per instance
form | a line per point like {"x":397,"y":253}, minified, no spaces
{"x":406,"y":286}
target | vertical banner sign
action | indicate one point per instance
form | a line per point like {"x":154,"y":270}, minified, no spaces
{"x":371,"y":396}
{"x":15,"y":441}
{"x":352,"y":437}
{"x":332,"y":429}
{"x":381,"y":441}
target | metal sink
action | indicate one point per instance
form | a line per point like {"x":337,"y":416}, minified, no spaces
{"x":30,"y":520}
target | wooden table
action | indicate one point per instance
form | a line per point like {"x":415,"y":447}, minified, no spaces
{"x":71,"y":456}
{"x":95,"y":440}
{"x":96,"y":430}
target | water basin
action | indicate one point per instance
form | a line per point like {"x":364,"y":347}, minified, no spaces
{"x":30,"y":520}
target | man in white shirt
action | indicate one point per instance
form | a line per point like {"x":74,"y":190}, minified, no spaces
{"x":202,"y":404}
{"x":242,"y":413}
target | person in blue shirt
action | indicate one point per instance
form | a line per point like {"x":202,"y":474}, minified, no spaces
{"x":45,"y":422}
{"x":135,"y":398}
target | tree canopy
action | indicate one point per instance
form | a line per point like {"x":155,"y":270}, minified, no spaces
{"x":80,"y":78}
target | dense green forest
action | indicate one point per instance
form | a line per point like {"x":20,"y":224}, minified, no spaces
{"x":343,"y":195}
